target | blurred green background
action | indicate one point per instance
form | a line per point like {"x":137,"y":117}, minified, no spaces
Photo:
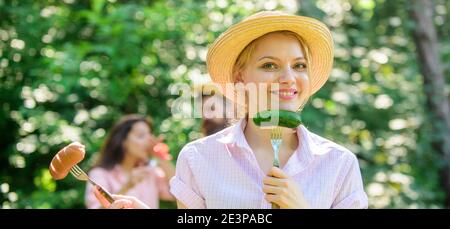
{"x":69,"y":69}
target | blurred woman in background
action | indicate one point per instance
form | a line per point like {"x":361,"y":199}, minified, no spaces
{"x":213,"y":104}
{"x":126,"y":167}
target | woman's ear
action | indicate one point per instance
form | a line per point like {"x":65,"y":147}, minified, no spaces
{"x":238,"y":76}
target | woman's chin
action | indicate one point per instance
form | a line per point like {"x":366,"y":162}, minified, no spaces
{"x":289,"y":107}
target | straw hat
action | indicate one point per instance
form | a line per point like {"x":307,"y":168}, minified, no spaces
{"x":223,"y":53}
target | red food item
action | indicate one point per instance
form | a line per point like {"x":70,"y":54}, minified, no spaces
{"x":162,"y":151}
{"x":65,"y":159}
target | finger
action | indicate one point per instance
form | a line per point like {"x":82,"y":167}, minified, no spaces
{"x":153,"y":139}
{"x":133,"y":202}
{"x":273,"y":199}
{"x":160,"y":138}
{"x":120,"y":204}
{"x":168,"y":157}
{"x":269,"y":189}
{"x":277,"y":172}
{"x":122,"y":197}
{"x":273,"y":181}
{"x":103,"y":201}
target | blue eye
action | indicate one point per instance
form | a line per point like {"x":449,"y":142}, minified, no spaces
{"x":269,"y":66}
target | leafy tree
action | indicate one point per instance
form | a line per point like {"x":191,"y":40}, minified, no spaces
{"x":69,"y":69}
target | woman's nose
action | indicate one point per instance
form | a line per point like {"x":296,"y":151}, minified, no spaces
{"x":287,"y":76}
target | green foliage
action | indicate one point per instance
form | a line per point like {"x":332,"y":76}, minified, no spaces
{"x":69,"y":69}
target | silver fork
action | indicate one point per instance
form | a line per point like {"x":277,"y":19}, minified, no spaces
{"x":79,"y":174}
{"x":276,"y":140}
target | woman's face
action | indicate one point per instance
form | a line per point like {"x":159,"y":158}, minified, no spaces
{"x":278,"y":58}
{"x":138,"y":141}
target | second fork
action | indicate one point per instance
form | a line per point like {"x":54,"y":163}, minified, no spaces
{"x":79,"y":174}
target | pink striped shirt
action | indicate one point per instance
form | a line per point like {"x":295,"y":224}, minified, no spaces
{"x":221,"y":171}
{"x":149,"y":190}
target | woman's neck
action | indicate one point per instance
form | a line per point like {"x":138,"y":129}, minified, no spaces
{"x":128,"y":162}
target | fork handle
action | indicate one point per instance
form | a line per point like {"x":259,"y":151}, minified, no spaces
{"x":103,"y":192}
{"x":274,"y":205}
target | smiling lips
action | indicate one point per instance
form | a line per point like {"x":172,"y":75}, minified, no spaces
{"x":286,"y":94}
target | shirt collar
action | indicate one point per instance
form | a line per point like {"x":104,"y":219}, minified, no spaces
{"x":306,"y":150}
{"x":236,"y":136}
{"x":300,"y":159}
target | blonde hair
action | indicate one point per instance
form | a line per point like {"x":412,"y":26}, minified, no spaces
{"x":247,"y":52}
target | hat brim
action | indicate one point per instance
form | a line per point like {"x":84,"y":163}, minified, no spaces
{"x":315,"y":35}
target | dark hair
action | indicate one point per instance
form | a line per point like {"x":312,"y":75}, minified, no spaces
{"x":210,"y":127}
{"x":112,"y":152}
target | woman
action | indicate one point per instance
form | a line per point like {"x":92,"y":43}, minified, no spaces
{"x":234,"y":168}
{"x":124,"y":168}
{"x":213,"y":107}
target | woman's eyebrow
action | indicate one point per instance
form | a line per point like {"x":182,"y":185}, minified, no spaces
{"x":275,"y":58}
{"x":268,"y":57}
{"x":300,"y":58}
